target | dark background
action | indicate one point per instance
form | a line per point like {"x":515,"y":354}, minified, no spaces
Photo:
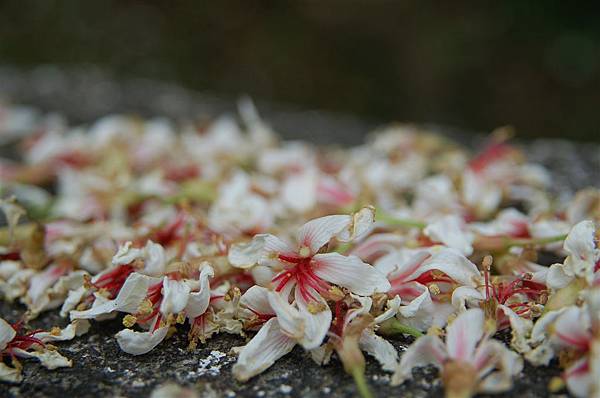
{"x":535,"y":65}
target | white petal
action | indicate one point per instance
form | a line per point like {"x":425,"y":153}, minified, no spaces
{"x":464,"y":333}
{"x":7,"y":333}
{"x":426,"y":350}
{"x":10,"y":375}
{"x":350,"y":272}
{"x":154,"y":259}
{"x":318,"y":232}
{"x":262,"y":351}
{"x":579,"y":381}
{"x":581,"y":247}
{"x":363,"y":222}
{"x":452,"y":263}
{"x":138,"y":343}
{"x":520,"y":327}
{"x":316,"y":325}
{"x":383,"y":351}
{"x":464,"y":297}
{"x":507,"y":363}
{"x":131,"y":295}
{"x":392,"y":308}
{"x":290,"y":321}
{"x":48,"y":358}
{"x":245,"y":255}
{"x":299,"y":191}
{"x":559,"y":276}
{"x":257,"y":298}
{"x":126,"y":254}
{"x":451,"y":231}
{"x":76,"y":328}
{"x":175,"y":296}
{"x":199,"y":301}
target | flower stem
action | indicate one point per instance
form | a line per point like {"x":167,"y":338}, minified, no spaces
{"x":401,"y":222}
{"x":358,"y":375}
{"x":539,"y":241}
{"x":393,"y":326}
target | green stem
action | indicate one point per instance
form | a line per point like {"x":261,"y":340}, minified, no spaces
{"x":393,"y":326}
{"x":358,"y":375}
{"x":402,"y":222}
{"x":540,"y":241}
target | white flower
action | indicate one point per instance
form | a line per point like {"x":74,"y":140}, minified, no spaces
{"x":415,"y":273}
{"x":583,"y":260}
{"x":469,"y":361}
{"x":308,"y":272}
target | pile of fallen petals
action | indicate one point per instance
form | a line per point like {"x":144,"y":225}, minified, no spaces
{"x":221,"y":227}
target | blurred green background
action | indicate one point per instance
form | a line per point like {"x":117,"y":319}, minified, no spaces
{"x":535,"y":65}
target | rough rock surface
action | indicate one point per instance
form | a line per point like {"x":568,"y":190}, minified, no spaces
{"x":100,"y":369}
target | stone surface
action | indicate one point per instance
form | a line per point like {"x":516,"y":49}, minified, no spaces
{"x":101,"y":369}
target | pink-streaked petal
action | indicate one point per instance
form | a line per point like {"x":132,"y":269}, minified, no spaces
{"x":464,"y":333}
{"x":257,"y":300}
{"x":507,"y":364}
{"x":318,"y":232}
{"x":351,"y":273}
{"x":452,"y":263}
{"x":427,"y":350}
{"x":267,"y":346}
{"x":579,"y":378}
{"x":572,"y":329}
{"x":377,"y":245}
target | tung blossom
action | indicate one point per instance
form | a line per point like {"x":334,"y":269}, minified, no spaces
{"x":309,"y":272}
{"x":469,"y":361}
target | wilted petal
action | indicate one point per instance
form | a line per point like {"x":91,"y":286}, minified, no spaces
{"x":381,"y":349}
{"x":464,"y":297}
{"x":520,"y":327}
{"x":559,"y":276}
{"x":464,"y":333}
{"x":316,"y":323}
{"x":451,"y":231}
{"x":175,"y":296}
{"x":267,"y":346}
{"x":132,"y":293}
{"x":7,"y":333}
{"x":9,"y":374}
{"x":245,"y":255}
{"x":126,"y":254}
{"x":581,"y":247}
{"x":198,"y":301}
{"x":350,"y":272}
{"x":76,"y":328}
{"x":155,"y":259}
{"x":392,"y":308}
{"x":362,"y":223}
{"x":426,"y":350}
{"x":48,"y":358}
{"x":138,"y":343}
{"x":507,"y":363}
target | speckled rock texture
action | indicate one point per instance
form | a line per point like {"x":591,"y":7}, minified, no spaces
{"x":100,"y":369}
